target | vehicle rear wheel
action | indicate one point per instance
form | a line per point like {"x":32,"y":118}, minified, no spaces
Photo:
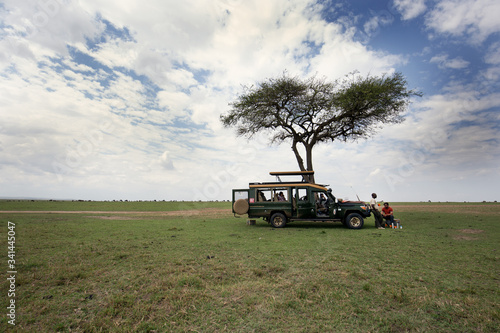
{"x":240,"y":206}
{"x":278,"y":220}
{"x":354,"y":221}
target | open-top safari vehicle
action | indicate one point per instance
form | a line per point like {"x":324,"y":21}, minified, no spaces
{"x":282,"y":202}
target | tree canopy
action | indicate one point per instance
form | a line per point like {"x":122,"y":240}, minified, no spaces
{"x":314,"y":110}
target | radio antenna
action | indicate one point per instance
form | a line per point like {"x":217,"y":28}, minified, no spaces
{"x":356,"y":194}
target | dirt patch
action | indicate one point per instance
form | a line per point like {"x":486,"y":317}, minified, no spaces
{"x":465,"y":234}
{"x":471,"y":231}
{"x":464,"y":237}
{"x":114,"y":217}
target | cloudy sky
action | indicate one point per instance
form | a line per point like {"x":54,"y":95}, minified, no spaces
{"x":112,"y":99}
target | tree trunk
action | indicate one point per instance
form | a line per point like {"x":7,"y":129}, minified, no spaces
{"x":309,"y":160}
{"x":300,"y":161}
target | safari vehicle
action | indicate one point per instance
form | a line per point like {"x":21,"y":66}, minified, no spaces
{"x":280,"y":202}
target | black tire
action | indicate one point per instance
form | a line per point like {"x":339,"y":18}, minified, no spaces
{"x":278,"y":220}
{"x":241,"y":206}
{"x":354,"y":221}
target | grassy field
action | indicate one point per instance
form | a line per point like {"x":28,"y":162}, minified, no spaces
{"x":157,"y":269}
{"x":111,"y":206}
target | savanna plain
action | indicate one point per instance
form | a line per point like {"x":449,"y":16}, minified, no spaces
{"x":193,"y":267}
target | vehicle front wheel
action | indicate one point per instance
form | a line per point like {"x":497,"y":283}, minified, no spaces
{"x":354,"y":221}
{"x":278,"y":220}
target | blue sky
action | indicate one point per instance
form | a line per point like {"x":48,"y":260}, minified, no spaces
{"x":121,"y":99}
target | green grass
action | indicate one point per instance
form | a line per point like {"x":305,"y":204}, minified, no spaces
{"x":212,"y":272}
{"x":68,"y":205}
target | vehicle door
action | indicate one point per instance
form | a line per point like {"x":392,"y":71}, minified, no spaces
{"x":321,"y":203}
{"x":304,"y":203}
{"x":240,"y":196}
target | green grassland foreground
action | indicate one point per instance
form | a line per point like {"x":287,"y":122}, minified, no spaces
{"x":193,"y":267}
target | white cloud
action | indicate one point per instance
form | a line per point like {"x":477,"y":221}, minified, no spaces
{"x":474,"y":19}
{"x":491,"y":75}
{"x":410,"y":8}
{"x":50,"y":24}
{"x":443,"y":62}
{"x":175,"y":101}
{"x":453,"y":129}
{"x":493,"y":54}
{"x":115,"y":53}
{"x":375,"y":172}
{"x":166,"y":162}
{"x":376,"y":21}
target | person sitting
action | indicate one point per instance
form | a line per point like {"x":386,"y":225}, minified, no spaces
{"x":388,"y":213}
{"x":322,"y":199}
{"x":281,"y":197}
{"x":321,"y":205}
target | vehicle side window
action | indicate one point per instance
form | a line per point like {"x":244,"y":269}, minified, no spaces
{"x":263,"y":194}
{"x":320,"y":198}
{"x":280,"y":194}
{"x":272,"y":194}
{"x":302,"y":194}
{"x":240,"y":195}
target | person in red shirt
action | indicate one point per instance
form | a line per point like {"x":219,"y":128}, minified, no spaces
{"x":388,"y":213}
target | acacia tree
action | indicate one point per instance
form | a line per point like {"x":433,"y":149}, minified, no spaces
{"x":310,"y":111}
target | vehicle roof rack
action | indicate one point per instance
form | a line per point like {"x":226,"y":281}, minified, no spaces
{"x":291,"y":173}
